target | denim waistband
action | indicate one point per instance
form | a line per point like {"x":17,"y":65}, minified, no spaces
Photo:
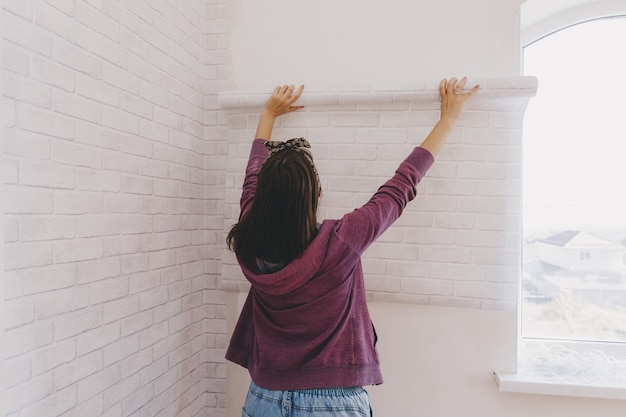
{"x":335,"y":401}
{"x":326,"y":392}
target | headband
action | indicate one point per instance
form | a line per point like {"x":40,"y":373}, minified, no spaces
{"x":295,"y":144}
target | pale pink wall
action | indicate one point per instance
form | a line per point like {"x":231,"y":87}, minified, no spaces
{"x":348,"y":43}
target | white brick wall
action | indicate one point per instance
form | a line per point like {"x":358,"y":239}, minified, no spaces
{"x":453,"y":246}
{"x":113,"y":163}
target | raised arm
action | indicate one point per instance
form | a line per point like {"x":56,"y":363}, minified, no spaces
{"x":279,"y":103}
{"x":365,"y":224}
{"x":452,"y":101}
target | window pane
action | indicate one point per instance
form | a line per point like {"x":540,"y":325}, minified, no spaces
{"x":574,"y":175}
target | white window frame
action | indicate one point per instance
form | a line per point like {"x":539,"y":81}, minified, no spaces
{"x":2,"y":376}
{"x":539,"y":19}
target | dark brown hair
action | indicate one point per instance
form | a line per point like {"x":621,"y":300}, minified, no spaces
{"x":282,"y":220}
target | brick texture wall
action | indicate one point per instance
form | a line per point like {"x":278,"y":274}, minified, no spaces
{"x":458,"y":243}
{"x":113,"y":192}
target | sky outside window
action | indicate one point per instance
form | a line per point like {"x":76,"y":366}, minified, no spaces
{"x":575,"y":129}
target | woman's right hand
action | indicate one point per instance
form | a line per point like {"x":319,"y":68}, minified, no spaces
{"x":281,"y":100}
{"x":453,"y":98}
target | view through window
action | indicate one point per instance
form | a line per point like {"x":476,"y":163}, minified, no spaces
{"x":574,"y":192}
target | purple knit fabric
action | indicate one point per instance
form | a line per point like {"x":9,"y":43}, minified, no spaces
{"x":307,"y":325}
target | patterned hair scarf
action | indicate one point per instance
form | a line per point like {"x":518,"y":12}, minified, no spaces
{"x":300,"y":145}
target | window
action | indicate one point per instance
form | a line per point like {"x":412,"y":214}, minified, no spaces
{"x":573,"y":293}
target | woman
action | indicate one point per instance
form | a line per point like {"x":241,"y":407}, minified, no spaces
{"x":305,"y":333}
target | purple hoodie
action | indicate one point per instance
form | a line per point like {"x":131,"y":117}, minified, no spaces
{"x":307,"y":325}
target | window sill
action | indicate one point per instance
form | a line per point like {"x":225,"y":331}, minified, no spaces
{"x":512,"y":382}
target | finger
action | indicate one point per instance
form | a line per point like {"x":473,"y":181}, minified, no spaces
{"x":279,"y":91}
{"x":442,"y":88}
{"x":459,"y":86}
{"x":473,"y":91}
{"x":294,"y":108}
{"x":450,"y":85}
{"x":297,"y":94}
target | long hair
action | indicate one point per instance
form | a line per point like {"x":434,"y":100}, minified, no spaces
{"x":282,"y":220}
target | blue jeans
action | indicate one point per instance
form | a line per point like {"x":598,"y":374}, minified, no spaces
{"x":328,"y":402}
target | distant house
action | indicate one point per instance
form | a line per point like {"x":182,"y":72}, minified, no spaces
{"x":582,"y":252}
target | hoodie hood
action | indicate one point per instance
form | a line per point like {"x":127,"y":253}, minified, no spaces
{"x":296,"y":273}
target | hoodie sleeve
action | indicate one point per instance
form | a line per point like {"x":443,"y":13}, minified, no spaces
{"x":258,"y":154}
{"x":364,"y":225}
